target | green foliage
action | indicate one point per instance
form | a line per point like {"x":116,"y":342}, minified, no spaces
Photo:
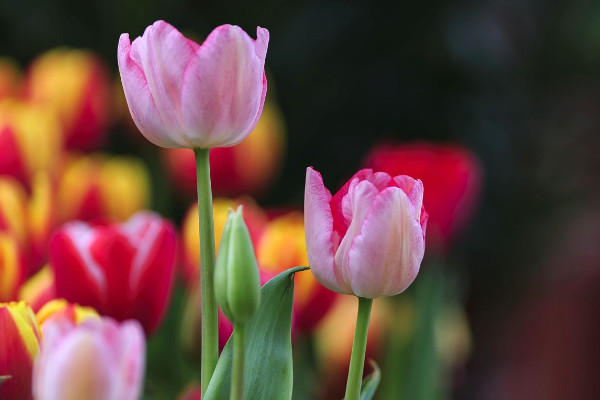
{"x":371,"y":382}
{"x":268,"y":371}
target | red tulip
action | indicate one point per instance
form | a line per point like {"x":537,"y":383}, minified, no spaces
{"x":452,"y":176}
{"x":121,"y":270}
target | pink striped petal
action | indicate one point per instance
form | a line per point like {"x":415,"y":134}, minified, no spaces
{"x":384,"y":258}
{"x":318,"y":225}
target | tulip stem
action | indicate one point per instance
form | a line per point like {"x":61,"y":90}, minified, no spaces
{"x":239,"y":363}
{"x":359,"y":347}
{"x":210,"y":349}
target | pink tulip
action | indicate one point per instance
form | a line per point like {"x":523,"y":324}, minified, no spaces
{"x":369,"y":239}
{"x":95,"y":360}
{"x":182,"y":94}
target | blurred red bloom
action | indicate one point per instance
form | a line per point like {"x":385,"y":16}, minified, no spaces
{"x":75,"y":84}
{"x":452,"y":177}
{"x":122,"y":270}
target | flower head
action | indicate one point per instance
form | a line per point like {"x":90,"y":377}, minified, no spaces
{"x":182,"y":94}
{"x":368,"y":239}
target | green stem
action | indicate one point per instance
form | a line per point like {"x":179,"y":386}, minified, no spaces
{"x":239,"y":356}
{"x":424,"y":371}
{"x":210,"y":349}
{"x":359,"y":347}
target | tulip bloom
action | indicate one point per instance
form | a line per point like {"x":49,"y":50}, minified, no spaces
{"x":29,"y":217}
{"x":182,"y":94}
{"x":247,"y":168}
{"x":100,"y":187}
{"x":282,"y":246}
{"x":96,"y":360}
{"x":30,"y":140}
{"x":452,"y":174}
{"x":123,"y":270}
{"x":20,"y":343}
{"x":369,"y":239}
{"x":75,"y":84}
{"x":12,"y":267}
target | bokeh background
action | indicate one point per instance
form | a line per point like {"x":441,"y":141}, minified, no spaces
{"x":516,"y":82}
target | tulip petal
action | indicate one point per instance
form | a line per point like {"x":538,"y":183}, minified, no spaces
{"x":318,"y":223}
{"x":131,"y":363}
{"x":139,"y":98}
{"x":391,"y":243}
{"x":78,"y":277}
{"x":355,"y":207}
{"x":224,"y":87}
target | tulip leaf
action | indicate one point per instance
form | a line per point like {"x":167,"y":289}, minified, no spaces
{"x":370,"y":383}
{"x":268,"y":370}
{"x":4,"y":378}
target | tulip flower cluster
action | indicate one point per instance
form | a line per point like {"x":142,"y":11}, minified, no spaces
{"x":87,"y":272}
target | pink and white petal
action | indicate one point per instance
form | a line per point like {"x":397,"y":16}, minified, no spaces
{"x":77,"y":366}
{"x":132,"y":360}
{"x":356,"y":205}
{"x":385,"y":258}
{"x":223,"y":88}
{"x":318,"y":226}
{"x":139,"y":99}
{"x":163,"y":53}
{"x":340,"y":223}
{"x":414,"y":190}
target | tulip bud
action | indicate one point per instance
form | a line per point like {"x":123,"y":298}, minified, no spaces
{"x":254,"y":217}
{"x":19,"y":345}
{"x":237,"y":280}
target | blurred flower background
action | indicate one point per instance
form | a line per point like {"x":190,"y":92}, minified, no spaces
{"x":493,"y":104}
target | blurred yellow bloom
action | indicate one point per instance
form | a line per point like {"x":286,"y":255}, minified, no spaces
{"x":101,"y":186}
{"x":12,"y":267}
{"x":75,"y":84}
{"x":30,"y":140}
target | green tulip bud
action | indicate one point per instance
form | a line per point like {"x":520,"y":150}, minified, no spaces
{"x":237,"y":280}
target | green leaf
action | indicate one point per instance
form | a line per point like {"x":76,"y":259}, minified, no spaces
{"x":4,"y":378}
{"x":268,"y":371}
{"x":370,"y":383}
